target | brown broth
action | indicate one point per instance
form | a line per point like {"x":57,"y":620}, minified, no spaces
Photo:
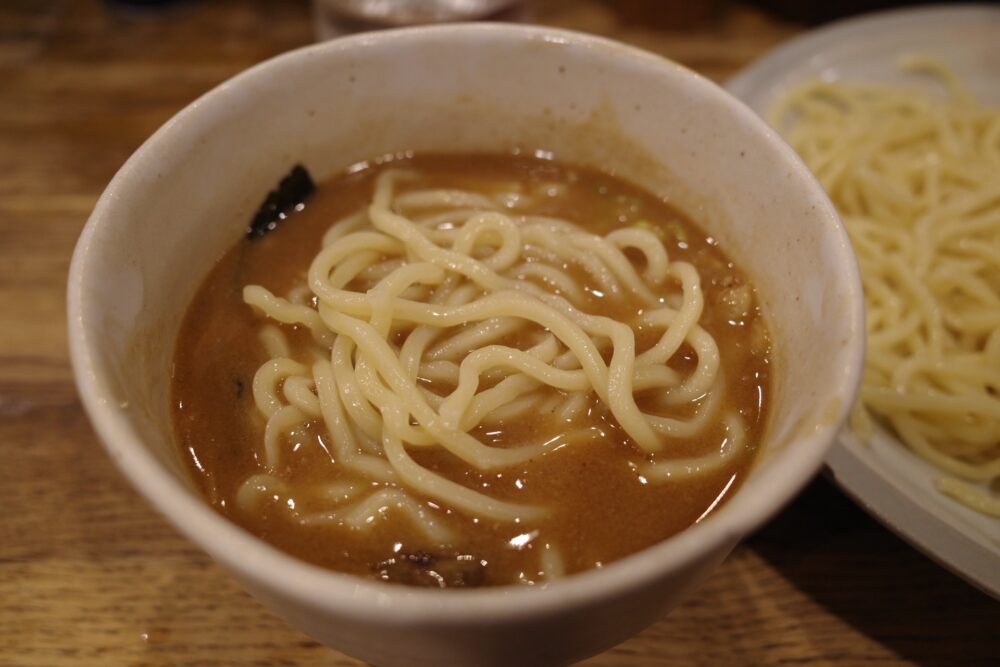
{"x":601,"y":509}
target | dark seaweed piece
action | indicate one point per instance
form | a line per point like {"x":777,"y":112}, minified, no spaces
{"x":289,"y":196}
{"x":431,"y":571}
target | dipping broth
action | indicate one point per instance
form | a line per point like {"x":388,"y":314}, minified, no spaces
{"x":578,"y":490}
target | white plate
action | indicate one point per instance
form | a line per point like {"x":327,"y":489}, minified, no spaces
{"x":892,"y":484}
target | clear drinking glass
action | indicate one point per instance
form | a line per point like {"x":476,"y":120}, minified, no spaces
{"x":336,"y":17}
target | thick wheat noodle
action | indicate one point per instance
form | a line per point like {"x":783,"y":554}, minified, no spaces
{"x":554,"y":277}
{"x":362,"y":515}
{"x":485,"y":332}
{"x":267,"y":379}
{"x":344,"y":440}
{"x":734,"y":442}
{"x":455,"y":495}
{"x":274,"y":341}
{"x":279,"y":424}
{"x":426,"y":330}
{"x":300,"y":391}
{"x":915,"y":179}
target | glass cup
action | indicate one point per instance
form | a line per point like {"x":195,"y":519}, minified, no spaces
{"x":337,"y":17}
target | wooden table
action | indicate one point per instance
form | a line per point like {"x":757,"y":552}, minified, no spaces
{"x":90,"y":575}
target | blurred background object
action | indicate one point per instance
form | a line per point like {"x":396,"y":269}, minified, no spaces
{"x":822,"y":10}
{"x":665,"y":13}
{"x":334,"y":17}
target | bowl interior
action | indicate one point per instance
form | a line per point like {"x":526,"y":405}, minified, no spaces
{"x":188,"y":193}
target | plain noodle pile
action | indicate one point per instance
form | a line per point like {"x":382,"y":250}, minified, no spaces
{"x":437,"y":312}
{"x":916,"y":178}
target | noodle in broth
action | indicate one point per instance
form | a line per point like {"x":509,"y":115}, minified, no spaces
{"x":446,"y":336}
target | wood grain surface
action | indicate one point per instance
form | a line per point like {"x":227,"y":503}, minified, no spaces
{"x":90,"y":575}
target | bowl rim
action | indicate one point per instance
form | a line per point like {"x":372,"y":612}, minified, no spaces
{"x":254,"y":560}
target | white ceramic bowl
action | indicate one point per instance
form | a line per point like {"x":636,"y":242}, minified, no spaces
{"x":188,"y":192}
